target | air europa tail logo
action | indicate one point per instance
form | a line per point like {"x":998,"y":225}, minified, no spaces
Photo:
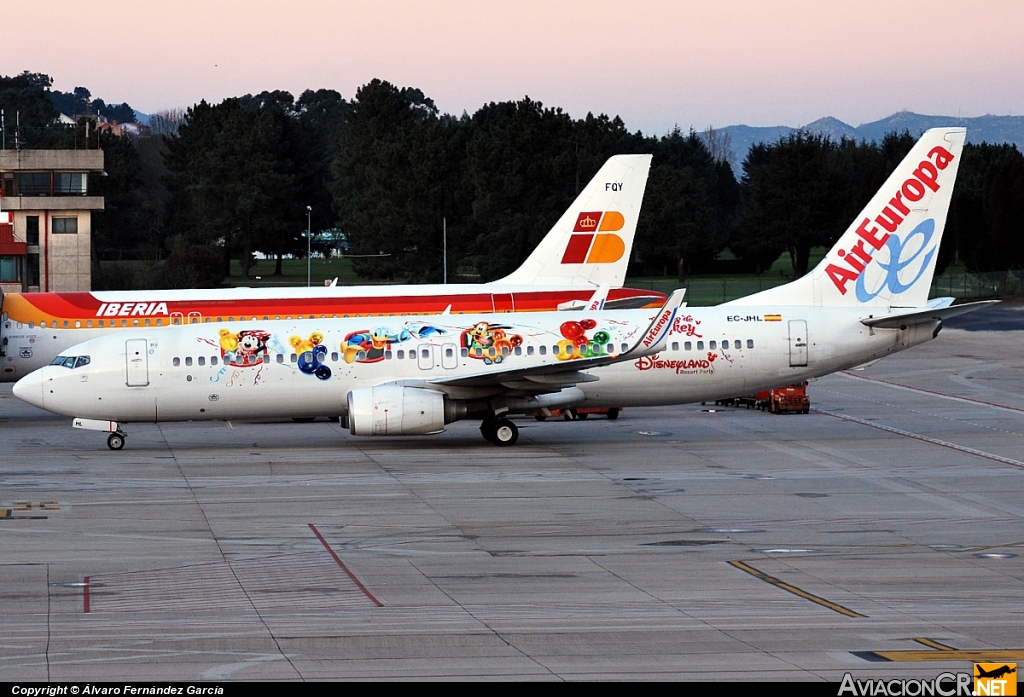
{"x":593,"y":240}
{"x":853,"y":262}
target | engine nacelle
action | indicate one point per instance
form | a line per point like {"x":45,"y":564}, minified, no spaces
{"x":396,"y":410}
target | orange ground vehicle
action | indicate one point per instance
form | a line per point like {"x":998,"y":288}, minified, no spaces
{"x":574,"y":414}
{"x":791,"y":399}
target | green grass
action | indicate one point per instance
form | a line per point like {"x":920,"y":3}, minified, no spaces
{"x":293,"y":273}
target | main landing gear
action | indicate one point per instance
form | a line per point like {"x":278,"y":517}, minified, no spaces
{"x":115,"y":441}
{"x":500,"y":431}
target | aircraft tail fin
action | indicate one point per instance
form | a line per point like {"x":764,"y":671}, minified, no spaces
{"x":590,"y":244}
{"x":886,"y":258}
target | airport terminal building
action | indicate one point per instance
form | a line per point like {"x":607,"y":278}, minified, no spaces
{"x":46,"y":219}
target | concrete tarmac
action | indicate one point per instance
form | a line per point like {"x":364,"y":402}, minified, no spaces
{"x":881,"y":535}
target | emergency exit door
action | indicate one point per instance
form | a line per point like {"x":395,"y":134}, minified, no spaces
{"x":136,"y":362}
{"x":797,"y":343}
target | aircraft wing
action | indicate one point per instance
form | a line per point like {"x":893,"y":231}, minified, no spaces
{"x":909,"y":319}
{"x":553,"y":377}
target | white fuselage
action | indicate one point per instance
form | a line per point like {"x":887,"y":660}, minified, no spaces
{"x":281,"y":369}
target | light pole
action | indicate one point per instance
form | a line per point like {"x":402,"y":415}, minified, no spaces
{"x":309,"y":227}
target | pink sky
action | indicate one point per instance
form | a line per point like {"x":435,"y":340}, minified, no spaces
{"x":656,"y":64}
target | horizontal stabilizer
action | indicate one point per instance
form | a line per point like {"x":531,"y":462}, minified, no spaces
{"x":924,"y":316}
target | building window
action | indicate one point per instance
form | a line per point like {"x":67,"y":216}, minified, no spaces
{"x":33,"y":183}
{"x":32,"y":270}
{"x":65,"y":226}
{"x":32,"y":230}
{"x":10,"y":269}
{"x":69,"y":183}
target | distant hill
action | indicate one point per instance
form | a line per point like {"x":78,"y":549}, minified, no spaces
{"x":991,"y":129}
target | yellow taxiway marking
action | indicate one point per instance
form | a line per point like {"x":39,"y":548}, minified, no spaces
{"x":835,"y":607}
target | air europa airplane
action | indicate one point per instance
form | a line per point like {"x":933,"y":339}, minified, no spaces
{"x":587,"y":248}
{"x":412,"y":375}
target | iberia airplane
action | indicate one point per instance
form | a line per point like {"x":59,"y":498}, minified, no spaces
{"x":412,"y":375}
{"x":588,"y":247}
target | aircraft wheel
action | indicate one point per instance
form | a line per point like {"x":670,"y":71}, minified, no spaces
{"x":488,"y":429}
{"x":540,"y":417}
{"x":582,"y":415}
{"x":115,"y":441}
{"x":303,"y":419}
{"x":613,"y":414}
{"x":505,"y":432}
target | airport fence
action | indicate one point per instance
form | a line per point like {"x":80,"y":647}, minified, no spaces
{"x":702,"y":291}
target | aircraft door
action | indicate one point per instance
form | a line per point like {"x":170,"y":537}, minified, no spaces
{"x":425,"y":357}
{"x":797,"y":343}
{"x":449,"y":356}
{"x":136,"y":362}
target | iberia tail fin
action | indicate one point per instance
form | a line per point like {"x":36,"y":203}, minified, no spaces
{"x":590,"y":244}
{"x":886,"y":258}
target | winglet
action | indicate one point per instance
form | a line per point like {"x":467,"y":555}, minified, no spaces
{"x":655,"y":338}
{"x":598,"y":299}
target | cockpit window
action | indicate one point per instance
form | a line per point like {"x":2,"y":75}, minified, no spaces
{"x":71,"y":361}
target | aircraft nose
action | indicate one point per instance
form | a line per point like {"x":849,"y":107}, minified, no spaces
{"x":30,"y":389}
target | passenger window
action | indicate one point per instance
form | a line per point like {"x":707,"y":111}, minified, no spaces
{"x":737,"y":344}
{"x":124,"y":323}
{"x":543,"y":350}
{"x":220,"y":319}
{"x":293,"y":358}
{"x":479,"y":352}
{"x":147,"y":322}
{"x":188,"y":360}
{"x":213,"y":360}
{"x":202,"y":360}
{"x":712,"y":346}
{"x":387,"y":356}
{"x":464,"y":352}
{"x":529,"y":350}
{"x":401,"y":355}
{"x":32,"y":324}
{"x":449,"y":353}
{"x":700,"y":345}
{"x":675,"y":345}
{"x":610,"y":348}
{"x":688,"y":346}
{"x":750,"y":343}
{"x":66,"y":324}
{"x":334,"y":356}
{"x":88,"y":323}
{"x":426,"y":352}
{"x":519,"y":350}
{"x":159,"y":321}
{"x":135,"y":323}
{"x":554,"y":349}
{"x":101,"y":323}
{"x":625,"y":347}
{"x":78,"y":324}
{"x":176,"y":362}
{"x":361,"y":356}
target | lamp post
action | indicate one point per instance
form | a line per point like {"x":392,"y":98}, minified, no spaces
{"x":309,"y":227}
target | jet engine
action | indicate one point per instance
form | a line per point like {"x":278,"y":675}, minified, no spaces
{"x":396,"y":410}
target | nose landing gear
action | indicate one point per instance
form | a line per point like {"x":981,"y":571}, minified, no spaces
{"x":115,"y":441}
